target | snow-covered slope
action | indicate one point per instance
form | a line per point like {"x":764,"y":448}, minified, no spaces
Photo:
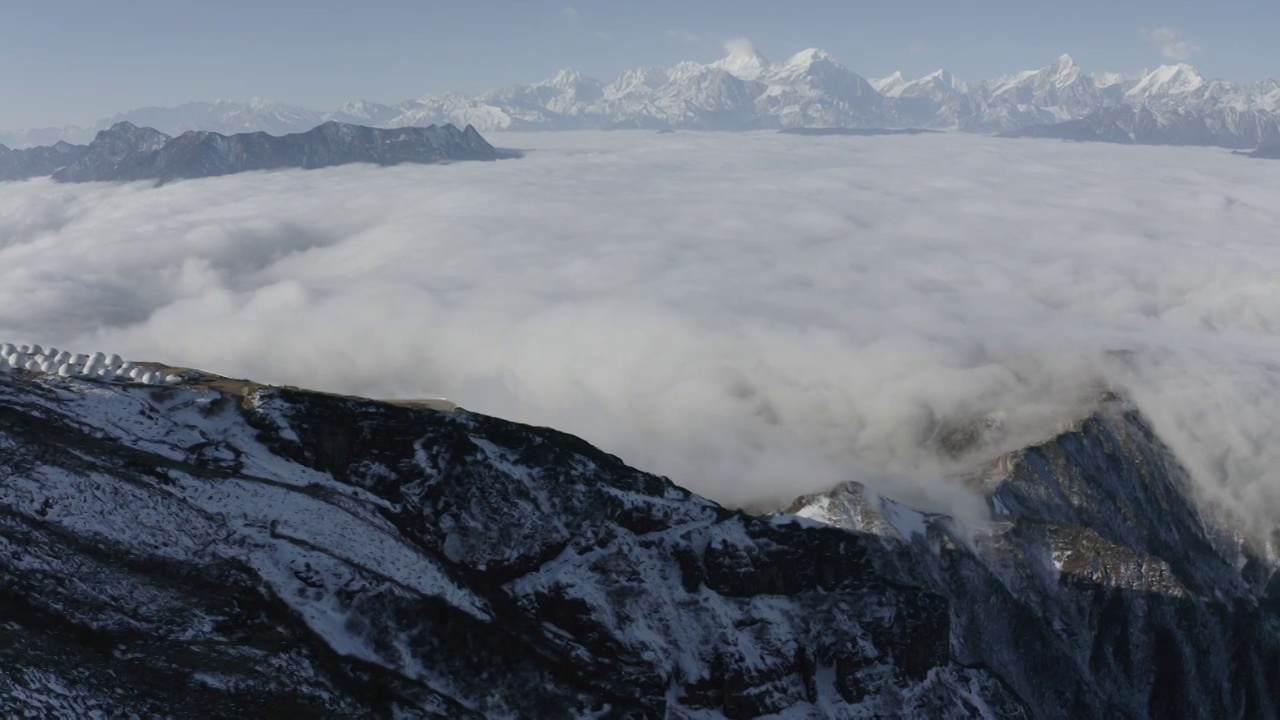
{"x":190,"y":545}
{"x":214,"y":548}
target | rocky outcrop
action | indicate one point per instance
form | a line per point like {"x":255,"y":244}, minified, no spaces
{"x":180,"y":544}
{"x":215,"y":548}
{"x":1099,"y":590}
{"x":37,"y":161}
{"x":112,"y":151}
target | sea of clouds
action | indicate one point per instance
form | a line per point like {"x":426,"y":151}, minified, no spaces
{"x":756,"y":316}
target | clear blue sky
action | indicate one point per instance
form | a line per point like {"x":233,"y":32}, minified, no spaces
{"x":73,"y":61}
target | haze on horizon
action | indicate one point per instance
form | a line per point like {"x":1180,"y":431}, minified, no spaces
{"x":78,"y":61}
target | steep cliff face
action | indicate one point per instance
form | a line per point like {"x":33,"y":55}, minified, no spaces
{"x":1099,"y":590}
{"x":214,"y":548}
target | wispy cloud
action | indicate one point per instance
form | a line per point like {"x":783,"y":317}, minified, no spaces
{"x":756,"y":316}
{"x":571,"y":15}
{"x":1171,"y":43}
{"x":740,"y":46}
{"x":684,"y":37}
{"x":917,"y":47}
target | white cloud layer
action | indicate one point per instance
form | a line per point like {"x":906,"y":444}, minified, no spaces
{"x":1173,"y":46}
{"x":740,"y":47}
{"x":756,"y":315}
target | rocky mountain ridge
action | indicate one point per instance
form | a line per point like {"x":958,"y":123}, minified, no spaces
{"x":127,"y":152}
{"x":36,"y":161}
{"x":216,"y":548}
{"x":174,"y":542}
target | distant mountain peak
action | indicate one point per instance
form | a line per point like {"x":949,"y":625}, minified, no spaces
{"x":809,"y":56}
{"x":945,"y":79}
{"x":1063,"y":63}
{"x":567,"y":77}
{"x":891,"y":85}
{"x":1168,"y":80}
{"x":1109,"y":79}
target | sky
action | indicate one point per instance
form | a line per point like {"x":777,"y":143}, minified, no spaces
{"x":756,"y":316}
{"x":76,"y":61}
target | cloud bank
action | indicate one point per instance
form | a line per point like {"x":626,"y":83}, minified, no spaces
{"x":756,"y":316}
{"x":740,"y":47}
{"x":1173,"y":46}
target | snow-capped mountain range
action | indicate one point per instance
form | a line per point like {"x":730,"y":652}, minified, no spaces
{"x":745,"y":91}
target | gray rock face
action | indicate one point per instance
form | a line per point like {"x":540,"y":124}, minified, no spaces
{"x":111,"y":151}
{"x":126,"y":152}
{"x":37,"y":161}
{"x":1271,"y":152}
{"x":220,"y":549}
{"x":1100,"y":590}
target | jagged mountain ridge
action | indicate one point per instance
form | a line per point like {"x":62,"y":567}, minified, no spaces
{"x":744,"y":91}
{"x":239,"y":548}
{"x":36,"y":161}
{"x":1100,"y":589}
{"x":127,"y":152}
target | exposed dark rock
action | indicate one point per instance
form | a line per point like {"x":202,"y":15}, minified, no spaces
{"x":1100,"y":590}
{"x":127,"y":152}
{"x":219,"y":549}
{"x":37,"y":161}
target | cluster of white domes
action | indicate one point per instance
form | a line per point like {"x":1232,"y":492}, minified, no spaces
{"x":98,"y":366}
